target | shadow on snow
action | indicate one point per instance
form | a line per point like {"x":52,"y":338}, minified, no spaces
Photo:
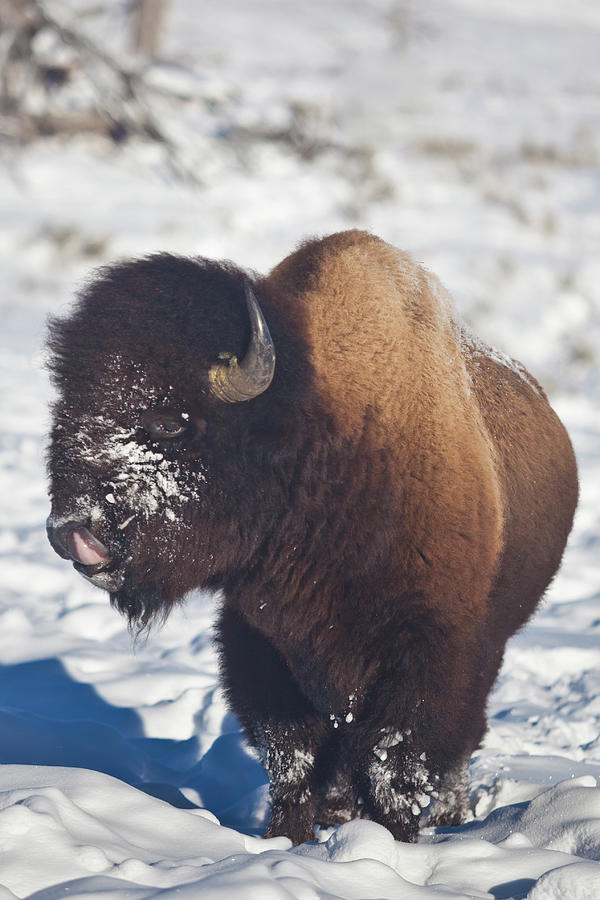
{"x":49,"y":719}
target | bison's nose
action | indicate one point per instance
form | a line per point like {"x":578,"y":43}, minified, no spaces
{"x":73,"y":540}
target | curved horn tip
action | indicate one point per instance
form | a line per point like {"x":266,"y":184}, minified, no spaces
{"x":236,"y":382}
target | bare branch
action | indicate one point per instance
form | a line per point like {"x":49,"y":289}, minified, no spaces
{"x":44,"y":60}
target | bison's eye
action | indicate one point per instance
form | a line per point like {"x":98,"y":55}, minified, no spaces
{"x":165,"y":427}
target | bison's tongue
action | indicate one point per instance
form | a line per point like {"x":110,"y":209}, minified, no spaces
{"x":85,"y":548}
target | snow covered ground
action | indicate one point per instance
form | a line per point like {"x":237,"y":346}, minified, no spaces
{"x":463,"y":131}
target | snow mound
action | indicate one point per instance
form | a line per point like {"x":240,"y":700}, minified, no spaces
{"x":90,"y":833}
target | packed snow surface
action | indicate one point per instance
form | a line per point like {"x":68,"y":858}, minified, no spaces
{"x":464,"y":132}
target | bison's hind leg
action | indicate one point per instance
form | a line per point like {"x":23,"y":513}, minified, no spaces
{"x":451,"y":806}
{"x":308,"y":787}
{"x":338,"y":800}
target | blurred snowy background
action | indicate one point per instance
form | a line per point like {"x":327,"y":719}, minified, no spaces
{"x":464,"y":131}
{"x":467,"y":132}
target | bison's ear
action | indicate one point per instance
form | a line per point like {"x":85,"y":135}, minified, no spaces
{"x":235,"y":380}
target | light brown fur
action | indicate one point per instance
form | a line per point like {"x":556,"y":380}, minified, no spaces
{"x":404,"y":372}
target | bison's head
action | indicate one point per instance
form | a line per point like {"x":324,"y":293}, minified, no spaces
{"x":167,"y":456}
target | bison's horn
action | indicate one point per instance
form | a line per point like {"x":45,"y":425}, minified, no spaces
{"x":234,"y":381}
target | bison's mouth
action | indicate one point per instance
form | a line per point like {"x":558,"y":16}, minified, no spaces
{"x":84,"y":548}
{"x":89,"y":555}
{"x":108,"y":579}
{"x":105,"y":560}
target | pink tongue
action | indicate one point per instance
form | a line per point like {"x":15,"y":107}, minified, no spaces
{"x":85,"y":548}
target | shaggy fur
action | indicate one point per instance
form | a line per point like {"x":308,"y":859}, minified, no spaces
{"x":380,"y":520}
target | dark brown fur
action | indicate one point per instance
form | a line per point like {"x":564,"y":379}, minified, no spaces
{"x":380,"y":520}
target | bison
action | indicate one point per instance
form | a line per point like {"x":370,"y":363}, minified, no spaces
{"x":381,"y":498}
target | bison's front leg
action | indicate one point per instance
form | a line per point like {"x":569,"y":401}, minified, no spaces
{"x":277,"y":719}
{"x":399,"y":783}
{"x":421,"y":722}
{"x":287,"y":757}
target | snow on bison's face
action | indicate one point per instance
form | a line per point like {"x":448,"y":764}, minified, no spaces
{"x":159,"y":485}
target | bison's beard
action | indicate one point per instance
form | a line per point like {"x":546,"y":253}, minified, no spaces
{"x":144,"y":605}
{"x":156,"y":575}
